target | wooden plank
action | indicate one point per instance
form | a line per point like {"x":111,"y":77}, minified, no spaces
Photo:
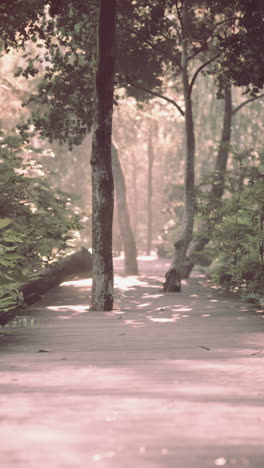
{"x":184,"y":390}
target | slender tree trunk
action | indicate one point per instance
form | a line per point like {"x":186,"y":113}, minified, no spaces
{"x":174,"y":275}
{"x":199,"y":243}
{"x":150,"y":170}
{"x":261,"y":229}
{"x":131,"y":267}
{"x":102,"y":178}
{"x":135,"y":194}
{"x":223,"y":152}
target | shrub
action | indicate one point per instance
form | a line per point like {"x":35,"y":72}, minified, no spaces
{"x":36,"y":220}
{"x":237,"y":229}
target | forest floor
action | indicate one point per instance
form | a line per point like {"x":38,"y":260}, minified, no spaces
{"x":169,"y":380}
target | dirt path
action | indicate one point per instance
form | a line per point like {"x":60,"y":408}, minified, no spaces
{"x":165,"y":380}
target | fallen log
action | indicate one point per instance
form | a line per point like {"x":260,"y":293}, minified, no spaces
{"x":78,"y":264}
{"x":74,"y":265}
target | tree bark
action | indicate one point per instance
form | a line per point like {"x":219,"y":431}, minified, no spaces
{"x":174,"y":275}
{"x":150,"y":170}
{"x":203,"y":237}
{"x":102,"y":177}
{"x":135,"y":194}
{"x":130,"y":251}
{"x":77,"y":264}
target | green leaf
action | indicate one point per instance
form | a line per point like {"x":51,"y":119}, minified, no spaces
{"x":4,"y":222}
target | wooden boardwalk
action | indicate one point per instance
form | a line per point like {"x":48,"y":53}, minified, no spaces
{"x":165,"y":380}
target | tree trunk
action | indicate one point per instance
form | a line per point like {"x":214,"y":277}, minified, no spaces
{"x":135,"y":194}
{"x":76,"y":264}
{"x":131,"y":267}
{"x":174,"y":275}
{"x":150,"y":168}
{"x":197,"y":245}
{"x":102,"y":177}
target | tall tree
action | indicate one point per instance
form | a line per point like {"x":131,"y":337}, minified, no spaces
{"x":178,"y":34}
{"x":174,"y":274}
{"x":203,"y":234}
{"x":202,"y":238}
{"x":151,"y":157}
{"x":101,"y":160}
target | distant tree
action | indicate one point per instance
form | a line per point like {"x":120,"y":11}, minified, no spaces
{"x":151,"y":157}
{"x":130,"y":250}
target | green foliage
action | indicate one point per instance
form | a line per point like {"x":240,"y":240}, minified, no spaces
{"x":63,"y":106}
{"x":244,"y":55}
{"x":36,"y":221}
{"x":10,"y":298}
{"x":256,"y":299}
{"x":236,"y":227}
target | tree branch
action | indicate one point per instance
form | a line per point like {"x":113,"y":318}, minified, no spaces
{"x":154,"y":93}
{"x":211,"y":35}
{"x":179,"y":14}
{"x":236,"y":109}
{"x":199,"y":70}
{"x":148,"y":42}
{"x":171,"y":56}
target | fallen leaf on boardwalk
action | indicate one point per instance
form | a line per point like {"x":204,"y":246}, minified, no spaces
{"x":122,"y":334}
{"x":258,"y":352}
{"x":119,"y":318}
{"x":162,"y":308}
{"x":204,"y":347}
{"x":44,"y":351}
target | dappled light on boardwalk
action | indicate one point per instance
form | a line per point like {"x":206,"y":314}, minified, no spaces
{"x":73,"y":309}
{"x":163,"y":377}
{"x":124,"y":283}
{"x":84,"y":283}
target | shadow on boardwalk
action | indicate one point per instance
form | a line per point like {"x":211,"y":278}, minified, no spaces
{"x":165,"y":380}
